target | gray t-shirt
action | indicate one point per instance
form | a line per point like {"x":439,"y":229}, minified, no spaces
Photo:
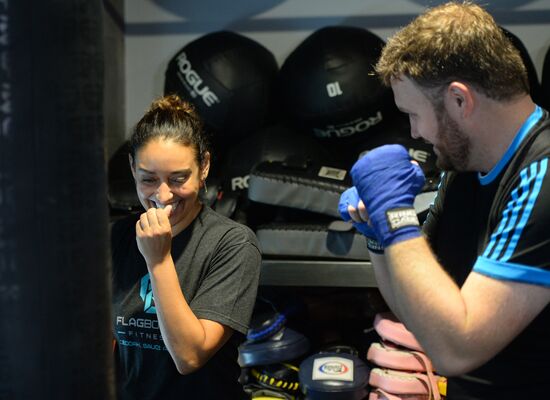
{"x":218,"y":264}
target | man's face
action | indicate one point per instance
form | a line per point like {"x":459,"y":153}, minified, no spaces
{"x":451,"y":145}
{"x":453,"y":149}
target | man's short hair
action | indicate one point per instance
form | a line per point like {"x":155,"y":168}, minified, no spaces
{"x":455,"y":41}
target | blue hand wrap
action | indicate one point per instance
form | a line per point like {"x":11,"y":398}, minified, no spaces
{"x":350,"y":197}
{"x":388,"y":182}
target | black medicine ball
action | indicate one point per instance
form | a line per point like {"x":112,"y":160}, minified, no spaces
{"x":534,"y":84}
{"x":229,"y":78}
{"x":329,"y":86}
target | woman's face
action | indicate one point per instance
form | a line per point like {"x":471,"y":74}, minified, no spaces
{"x":167,"y":172}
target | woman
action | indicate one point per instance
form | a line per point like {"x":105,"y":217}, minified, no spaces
{"x":184,"y":277}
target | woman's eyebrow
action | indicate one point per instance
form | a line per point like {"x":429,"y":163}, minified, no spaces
{"x":179,"y":172}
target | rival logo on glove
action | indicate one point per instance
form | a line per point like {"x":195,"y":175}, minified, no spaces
{"x":401,"y":217}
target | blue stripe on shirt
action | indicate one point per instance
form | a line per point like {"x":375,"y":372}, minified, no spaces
{"x":505,"y":225}
{"x":512,"y":272}
{"x":518,"y":207}
{"x":515,"y":208}
{"x":543,"y":164}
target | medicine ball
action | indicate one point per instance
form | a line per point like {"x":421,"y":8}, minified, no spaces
{"x":229,"y":78}
{"x":534,"y":83}
{"x":329,"y":86}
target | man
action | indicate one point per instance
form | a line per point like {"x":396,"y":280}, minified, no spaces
{"x":474,"y":284}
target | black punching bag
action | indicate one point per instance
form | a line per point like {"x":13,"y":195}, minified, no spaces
{"x":54,"y":285}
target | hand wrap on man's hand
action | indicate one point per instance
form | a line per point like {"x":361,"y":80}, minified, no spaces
{"x":350,"y":197}
{"x":387,"y":182}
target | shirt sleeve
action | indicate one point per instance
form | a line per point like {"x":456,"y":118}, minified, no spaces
{"x":519,"y":247}
{"x":228,"y":292}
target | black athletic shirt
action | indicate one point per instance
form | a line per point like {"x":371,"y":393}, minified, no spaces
{"x":218,"y":263}
{"x":499,"y":225}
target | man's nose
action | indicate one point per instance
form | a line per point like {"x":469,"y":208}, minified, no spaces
{"x":415,"y":134}
{"x":414,"y":131}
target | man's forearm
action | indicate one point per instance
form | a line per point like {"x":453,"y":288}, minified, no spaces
{"x":425,"y":298}
{"x":383,"y":281}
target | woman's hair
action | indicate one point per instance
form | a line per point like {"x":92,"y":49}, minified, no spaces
{"x":455,"y":41}
{"x":171,"y":118}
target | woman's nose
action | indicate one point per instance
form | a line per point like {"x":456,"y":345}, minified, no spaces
{"x":164,"y":193}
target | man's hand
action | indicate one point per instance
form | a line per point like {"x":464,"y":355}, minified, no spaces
{"x":352,"y":208}
{"x":387,"y":182}
{"x":154,"y":235}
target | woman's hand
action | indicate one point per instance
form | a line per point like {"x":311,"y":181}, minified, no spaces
{"x":154,"y":235}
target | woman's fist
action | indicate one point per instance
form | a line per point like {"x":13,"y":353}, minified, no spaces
{"x":154,"y":235}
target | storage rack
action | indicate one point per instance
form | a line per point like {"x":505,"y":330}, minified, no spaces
{"x":276,"y":272}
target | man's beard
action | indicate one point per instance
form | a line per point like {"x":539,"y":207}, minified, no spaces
{"x":453,"y":146}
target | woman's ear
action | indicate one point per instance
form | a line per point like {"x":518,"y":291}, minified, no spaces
{"x":205,"y":167}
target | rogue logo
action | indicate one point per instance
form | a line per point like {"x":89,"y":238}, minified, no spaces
{"x":418,"y":155}
{"x":239,"y":182}
{"x":193,"y":81}
{"x":146,"y":293}
{"x":348,"y":129}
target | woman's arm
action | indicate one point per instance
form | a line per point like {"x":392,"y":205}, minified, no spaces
{"x":189,"y":340}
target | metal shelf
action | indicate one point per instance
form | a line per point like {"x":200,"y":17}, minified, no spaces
{"x":317,"y":273}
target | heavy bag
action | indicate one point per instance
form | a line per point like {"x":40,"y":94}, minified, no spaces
{"x":532,"y":77}
{"x":54,"y":279}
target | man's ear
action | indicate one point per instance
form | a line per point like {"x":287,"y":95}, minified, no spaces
{"x":205,"y":167}
{"x":460,"y":99}
{"x":132,"y":168}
